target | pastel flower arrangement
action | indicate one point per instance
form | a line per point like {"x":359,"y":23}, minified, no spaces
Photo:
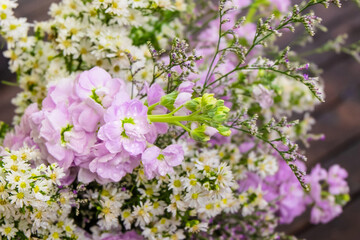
{"x":125,"y":131}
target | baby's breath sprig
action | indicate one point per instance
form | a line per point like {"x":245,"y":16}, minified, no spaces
{"x":283,"y":66}
{"x":179,"y":57}
{"x":266,"y":29}
{"x":282,"y":144}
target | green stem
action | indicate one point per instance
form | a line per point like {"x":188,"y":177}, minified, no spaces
{"x":177,"y":109}
{"x":183,"y":126}
{"x":150,"y":108}
{"x":209,"y":73}
{"x":173,"y":119}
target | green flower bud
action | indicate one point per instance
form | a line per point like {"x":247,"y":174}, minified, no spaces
{"x":208,"y":102}
{"x":193,"y":105}
{"x":169,"y":100}
{"x":199,"y":134}
{"x":221,"y":114}
{"x":225,"y":131}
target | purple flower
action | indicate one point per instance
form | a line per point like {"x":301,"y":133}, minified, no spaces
{"x":160,"y":162}
{"x":125,"y":128}
{"x":186,"y":86}
{"x":292,"y":202}
{"x":21,"y":135}
{"x":63,"y":140}
{"x":336,"y":180}
{"x":263,"y":96}
{"x":154,"y":94}
{"x":324,"y":212}
{"x":324,"y":185}
{"x":131,"y":235}
{"x":85,"y":117}
{"x":62,"y":93}
{"x":97,"y":84}
{"x":110,"y":166}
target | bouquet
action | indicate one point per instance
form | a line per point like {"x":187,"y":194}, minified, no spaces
{"x":163,"y":119}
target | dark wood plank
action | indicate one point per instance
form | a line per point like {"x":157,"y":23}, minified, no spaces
{"x":345,"y":227}
{"x":349,"y":160}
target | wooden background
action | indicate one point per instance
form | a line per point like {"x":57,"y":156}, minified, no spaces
{"x":338,"y":118}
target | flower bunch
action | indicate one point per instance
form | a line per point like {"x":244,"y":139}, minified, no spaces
{"x":93,"y":129}
{"x":32,"y":203}
{"x":124,"y":132}
{"x":80,"y":35}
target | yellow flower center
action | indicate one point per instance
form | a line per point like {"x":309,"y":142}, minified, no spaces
{"x":7,"y":230}
{"x":177,"y":183}
{"x":20,"y":195}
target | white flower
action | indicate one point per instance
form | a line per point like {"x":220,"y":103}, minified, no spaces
{"x":55,"y":173}
{"x":54,"y":233}
{"x":247,"y":209}
{"x":197,"y":227}
{"x":142,"y":213}
{"x":268,"y":166}
{"x":251,"y":161}
{"x":178,"y":235}
{"x":259,"y":200}
{"x":67,"y":45}
{"x":8,"y":230}
{"x":149,"y":191}
{"x":3,"y":191}
{"x":19,"y":198}
{"x":139,"y":3}
{"x":164,"y":4}
{"x":195,"y":197}
{"x":231,"y":205}
{"x":158,"y":208}
{"x":118,"y":7}
{"x":224,"y":176}
{"x":243,"y":198}
{"x":209,"y":209}
{"x":176,"y":184}
{"x":150,"y":233}
{"x":109,"y":215}
{"x":127,"y":218}
{"x":7,"y":6}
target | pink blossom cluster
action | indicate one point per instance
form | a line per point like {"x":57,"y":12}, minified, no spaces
{"x":329,"y":192}
{"x":95,"y":131}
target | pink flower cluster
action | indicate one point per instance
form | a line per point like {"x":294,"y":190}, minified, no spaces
{"x":329,"y":191}
{"x":95,"y":131}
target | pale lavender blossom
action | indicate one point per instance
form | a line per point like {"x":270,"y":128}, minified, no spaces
{"x":281,"y":5}
{"x":21,"y":134}
{"x":263,"y":96}
{"x":154,"y":94}
{"x":131,"y":235}
{"x":324,"y":185}
{"x":63,"y":140}
{"x":336,"y":180}
{"x":125,"y":128}
{"x":60,"y":93}
{"x":324,"y":211}
{"x":98,"y":85}
{"x":110,"y":166}
{"x":161,"y":162}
